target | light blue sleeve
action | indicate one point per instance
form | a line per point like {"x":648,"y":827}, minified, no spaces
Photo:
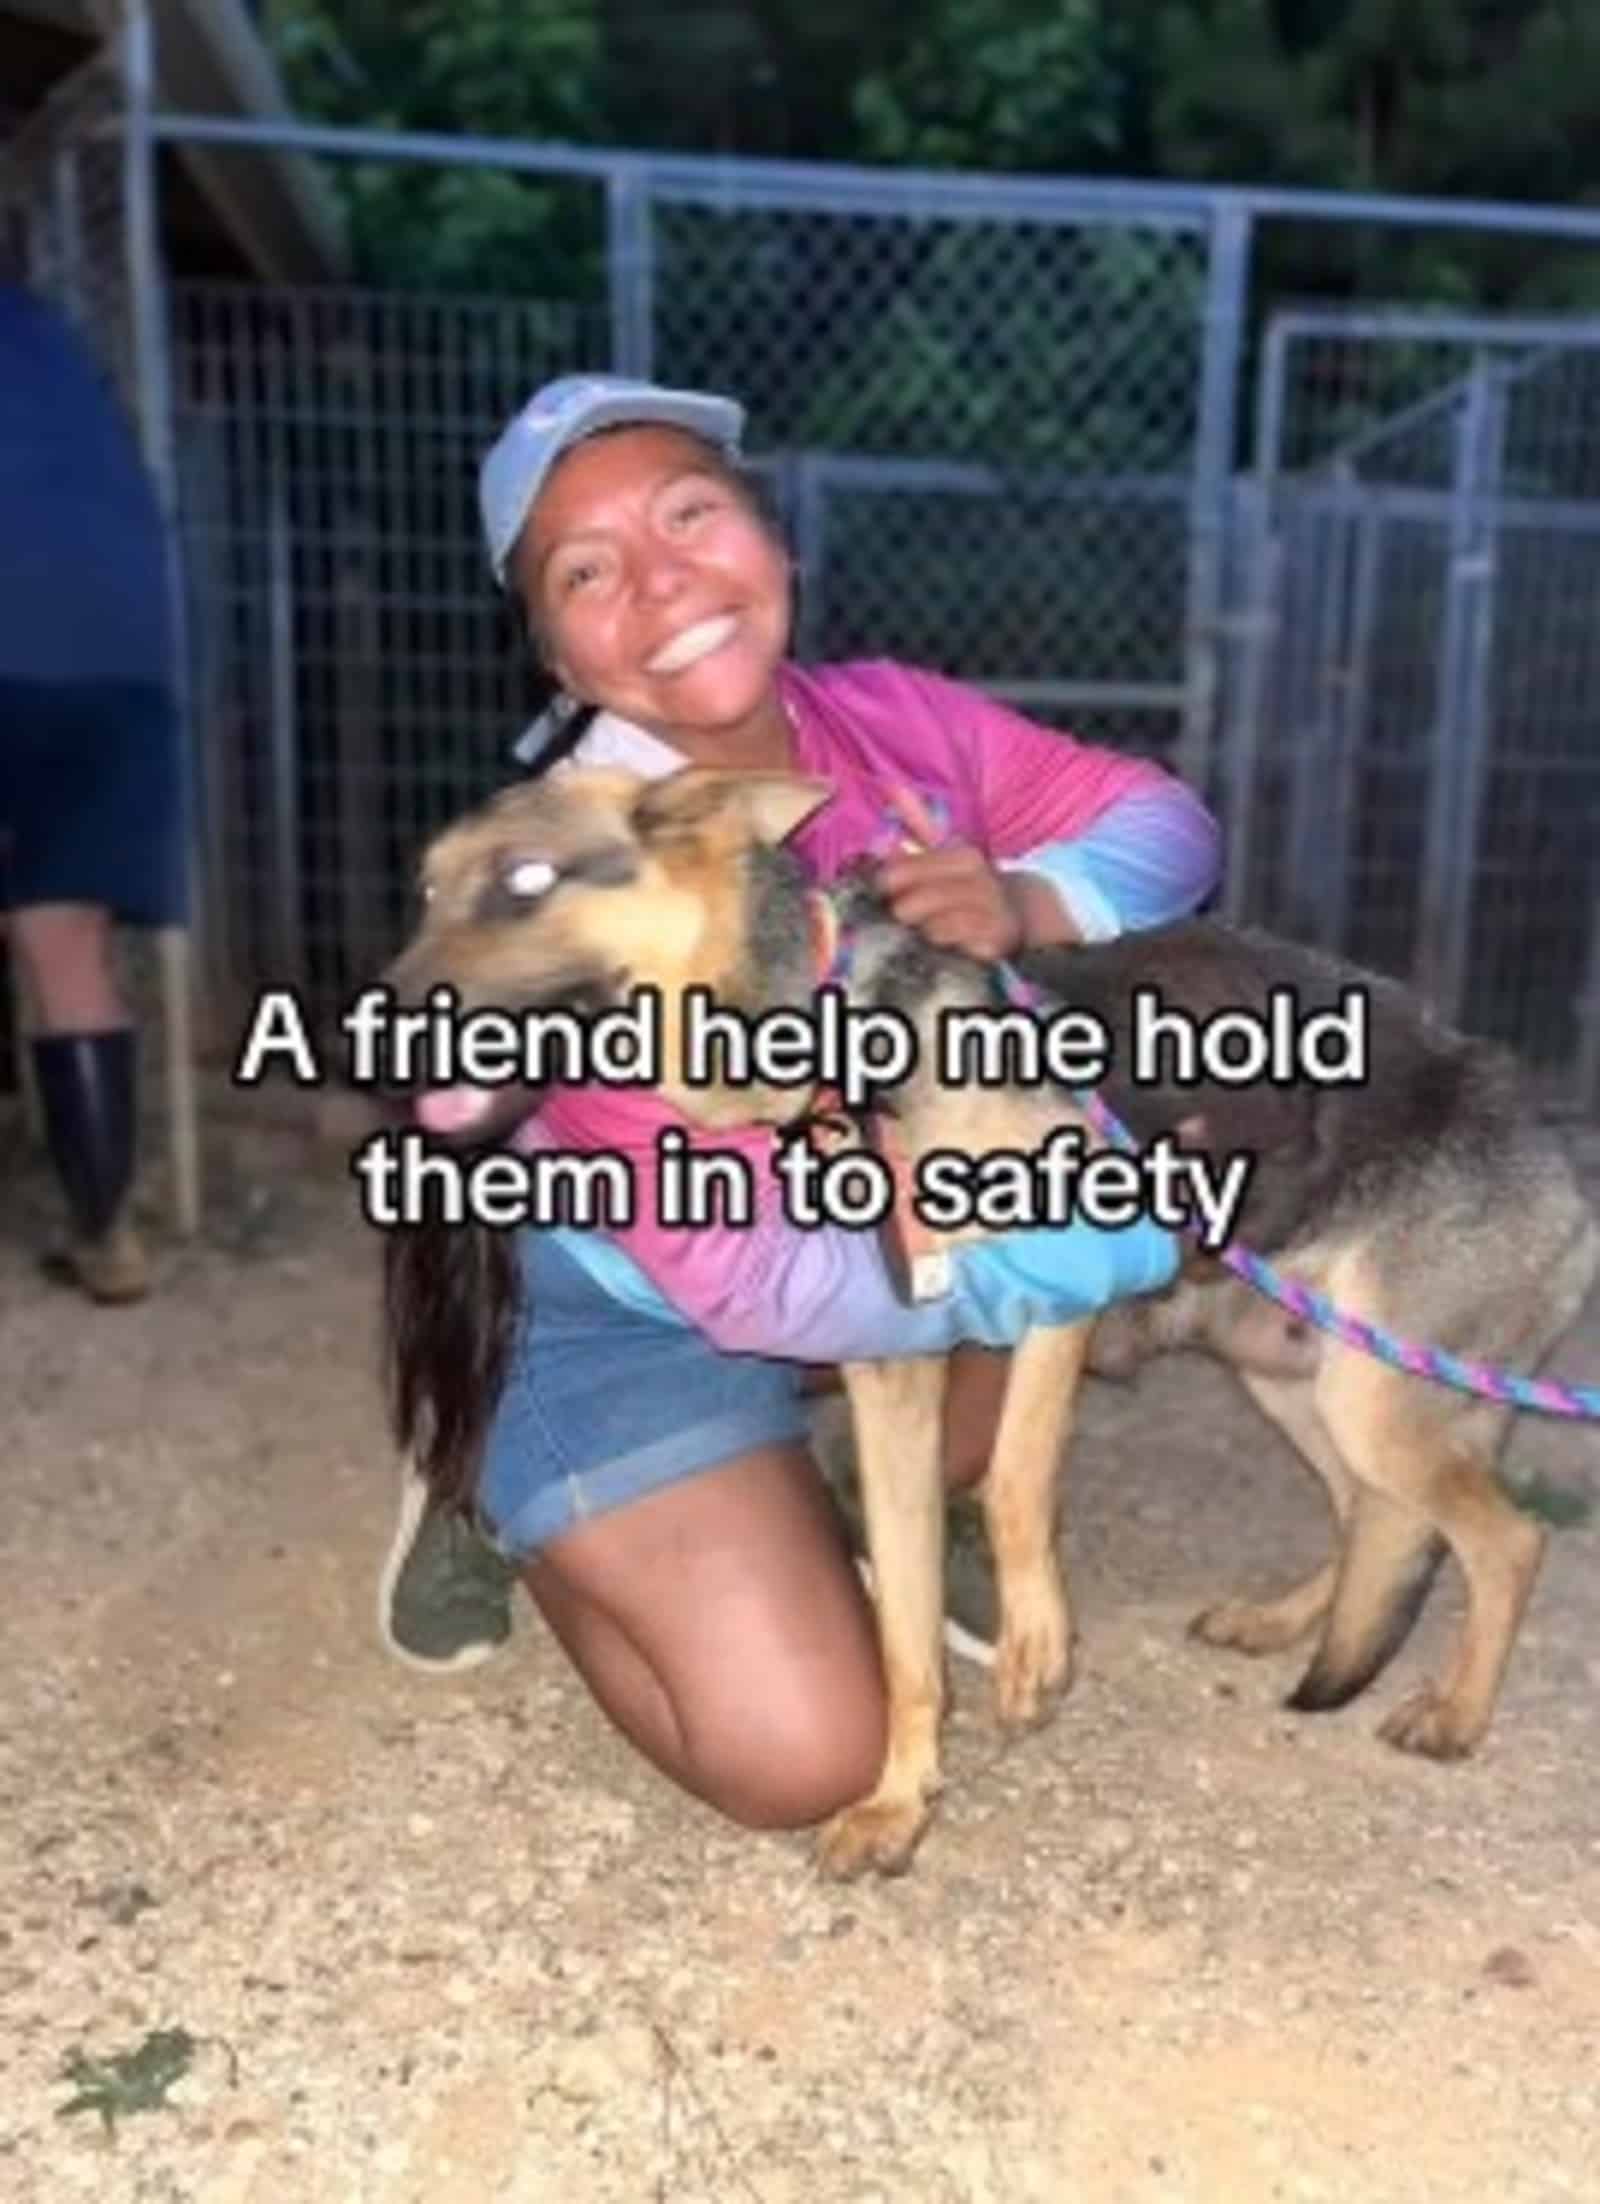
{"x":999,"y":1290}
{"x":1152,"y":857}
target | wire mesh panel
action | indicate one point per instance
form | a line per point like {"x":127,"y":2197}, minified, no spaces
{"x":983,"y":429}
{"x":1062,"y":593}
{"x":1414,"y":773}
{"x":357,"y":680}
{"x":1000,"y":418}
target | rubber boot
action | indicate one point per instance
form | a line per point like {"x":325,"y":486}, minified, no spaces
{"x":88,"y":1092}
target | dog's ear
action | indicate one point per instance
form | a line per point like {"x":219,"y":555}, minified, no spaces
{"x":771,"y":805}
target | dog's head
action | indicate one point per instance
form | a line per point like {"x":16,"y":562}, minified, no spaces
{"x":578,"y":888}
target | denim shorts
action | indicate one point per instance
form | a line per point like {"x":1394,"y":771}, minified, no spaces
{"x":604,"y":1404}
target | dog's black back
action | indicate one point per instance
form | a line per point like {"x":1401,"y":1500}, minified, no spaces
{"x":1432,"y":1099}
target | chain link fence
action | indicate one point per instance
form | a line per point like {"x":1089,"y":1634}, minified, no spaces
{"x":987,"y":430}
{"x":356,"y":681}
{"x":1014,"y":504}
{"x":999,"y":420}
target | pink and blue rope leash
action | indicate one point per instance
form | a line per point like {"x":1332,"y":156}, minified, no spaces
{"x":1545,"y":1396}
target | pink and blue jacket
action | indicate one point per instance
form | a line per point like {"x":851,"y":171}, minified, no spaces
{"x":1124,"y":845}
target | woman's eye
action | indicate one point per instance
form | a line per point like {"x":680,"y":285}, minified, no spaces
{"x":693,"y":507}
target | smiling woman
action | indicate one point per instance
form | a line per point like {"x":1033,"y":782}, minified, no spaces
{"x":625,"y":1418}
{"x":661,"y":590}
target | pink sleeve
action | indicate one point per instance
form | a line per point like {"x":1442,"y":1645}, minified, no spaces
{"x":1033,"y":785}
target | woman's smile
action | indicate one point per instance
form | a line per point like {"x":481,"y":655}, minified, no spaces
{"x":691,"y":644}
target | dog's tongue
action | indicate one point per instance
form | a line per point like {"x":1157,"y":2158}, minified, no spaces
{"x":451,"y":1109}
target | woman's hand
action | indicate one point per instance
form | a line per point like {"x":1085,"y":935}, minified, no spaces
{"x":952,"y":894}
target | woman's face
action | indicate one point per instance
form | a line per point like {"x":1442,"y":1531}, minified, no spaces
{"x":658,"y":592}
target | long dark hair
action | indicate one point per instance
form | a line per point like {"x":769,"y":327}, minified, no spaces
{"x":453,"y":1295}
{"x":452,"y":1304}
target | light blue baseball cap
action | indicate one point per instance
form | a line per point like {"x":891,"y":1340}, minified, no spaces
{"x":573,"y":406}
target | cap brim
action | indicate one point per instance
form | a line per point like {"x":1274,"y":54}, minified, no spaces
{"x":719,"y":421}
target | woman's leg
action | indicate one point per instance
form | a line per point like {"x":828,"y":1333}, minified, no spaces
{"x":721,"y":1626}
{"x":974,"y":1394}
{"x":755,"y":1683}
{"x":85,"y":1064}
{"x":671,"y":1525}
{"x":65,"y":950}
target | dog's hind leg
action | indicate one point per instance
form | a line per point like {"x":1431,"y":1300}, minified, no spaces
{"x":1381,"y":1582}
{"x":1426,"y":1465}
{"x":896,"y":1408}
{"x":1500,"y":1550}
{"x":1033,"y":1660}
{"x":1272,"y":1625}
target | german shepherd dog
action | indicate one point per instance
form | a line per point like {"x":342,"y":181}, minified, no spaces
{"x":1428,"y":1199}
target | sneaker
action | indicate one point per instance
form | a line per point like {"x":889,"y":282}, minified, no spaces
{"x":444,"y":1597}
{"x":971,"y":1595}
{"x":971,"y":1599}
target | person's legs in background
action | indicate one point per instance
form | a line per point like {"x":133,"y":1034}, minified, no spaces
{"x":85,"y":1065}
{"x":92,"y":813}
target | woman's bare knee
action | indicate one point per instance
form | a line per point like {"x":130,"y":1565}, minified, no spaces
{"x":791,"y":1765}
{"x":723,"y":1628}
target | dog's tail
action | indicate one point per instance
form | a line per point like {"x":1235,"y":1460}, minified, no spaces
{"x":451,"y":1297}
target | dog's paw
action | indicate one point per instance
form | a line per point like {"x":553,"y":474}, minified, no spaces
{"x":1426,"y":1723}
{"x":1032,"y":1666}
{"x":1248,"y":1626}
{"x":879,"y":1835}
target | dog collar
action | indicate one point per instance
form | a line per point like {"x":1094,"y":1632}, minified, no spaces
{"x":917,"y":1261}
{"x":830,"y":945}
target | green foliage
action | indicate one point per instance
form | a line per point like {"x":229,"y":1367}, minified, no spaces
{"x":495,"y":68}
{"x":1483,"y":98}
{"x":1496,"y":99}
{"x":1005,"y":84}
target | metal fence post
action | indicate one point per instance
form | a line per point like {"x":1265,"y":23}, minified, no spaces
{"x":152,"y":393}
{"x":809,"y":525}
{"x":1227,"y":284}
{"x":1257,"y":628}
{"x":1349,"y":724}
{"x":630,"y":270}
{"x":1458,"y":751}
{"x":67,"y":213}
{"x":1318,"y":720}
{"x":284,"y":808}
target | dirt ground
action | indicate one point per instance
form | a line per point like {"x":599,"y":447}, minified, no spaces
{"x":453,"y":1942}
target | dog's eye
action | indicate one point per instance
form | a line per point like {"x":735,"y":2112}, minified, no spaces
{"x":531,"y":878}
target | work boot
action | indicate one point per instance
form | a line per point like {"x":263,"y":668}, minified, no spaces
{"x":88,"y":1092}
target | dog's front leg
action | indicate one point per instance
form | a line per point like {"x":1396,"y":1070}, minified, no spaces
{"x":897,"y":1408}
{"x":1033,"y":1661}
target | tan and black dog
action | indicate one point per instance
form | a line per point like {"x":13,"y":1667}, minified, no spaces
{"x":1427,"y":1198}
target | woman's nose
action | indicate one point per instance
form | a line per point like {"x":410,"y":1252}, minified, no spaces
{"x":663,"y":571}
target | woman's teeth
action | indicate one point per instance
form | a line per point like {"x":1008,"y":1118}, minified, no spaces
{"x":692,"y":644}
